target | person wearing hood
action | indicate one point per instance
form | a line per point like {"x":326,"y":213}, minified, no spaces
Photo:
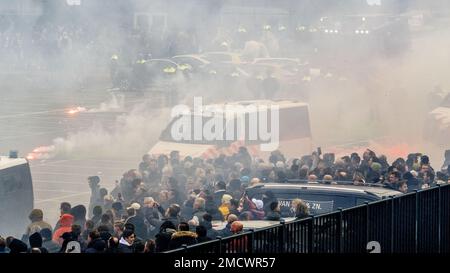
{"x":47,"y":241}
{"x":66,"y":222}
{"x":164,"y":236}
{"x":182,"y":237}
{"x":126,"y":242}
{"x":37,"y":223}
{"x":79,"y":216}
{"x":16,"y":246}
{"x":35,"y":241}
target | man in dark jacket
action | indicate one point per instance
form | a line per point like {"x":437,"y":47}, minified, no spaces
{"x":221,"y":189}
{"x":201,"y":234}
{"x":207,"y":223}
{"x":138,"y":221}
{"x":274,"y":213}
{"x":126,"y":242}
{"x":36,"y":242}
{"x":162,"y":239}
{"x":227,"y":230}
{"x":47,"y":241}
{"x":182,"y":237}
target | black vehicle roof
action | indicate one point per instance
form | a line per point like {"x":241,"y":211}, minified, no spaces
{"x":381,"y":192}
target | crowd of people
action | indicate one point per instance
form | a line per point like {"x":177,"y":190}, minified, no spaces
{"x":168,"y":202}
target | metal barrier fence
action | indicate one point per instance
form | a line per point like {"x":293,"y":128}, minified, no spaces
{"x":417,"y":222}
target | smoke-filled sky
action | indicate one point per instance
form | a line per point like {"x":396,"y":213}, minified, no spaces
{"x":386,"y":75}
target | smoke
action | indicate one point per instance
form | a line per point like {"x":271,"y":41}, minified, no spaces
{"x":370,"y":86}
{"x":131,"y":135}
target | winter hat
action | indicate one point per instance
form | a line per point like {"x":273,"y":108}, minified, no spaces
{"x":258,"y":203}
{"x":35,"y":240}
{"x":17,"y":246}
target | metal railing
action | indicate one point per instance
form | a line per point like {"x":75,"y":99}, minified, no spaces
{"x":417,"y":222}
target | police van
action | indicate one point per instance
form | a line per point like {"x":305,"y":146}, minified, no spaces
{"x":320,"y":198}
{"x":16,"y":195}
{"x":291,"y":127}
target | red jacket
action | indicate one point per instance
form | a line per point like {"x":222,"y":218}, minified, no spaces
{"x":66,"y":222}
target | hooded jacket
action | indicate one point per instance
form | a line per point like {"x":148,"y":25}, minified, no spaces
{"x":163,"y":238}
{"x":66,"y":221}
{"x":124,"y":246}
{"x":180,"y":238}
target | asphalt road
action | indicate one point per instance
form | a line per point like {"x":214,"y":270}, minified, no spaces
{"x":33,"y":117}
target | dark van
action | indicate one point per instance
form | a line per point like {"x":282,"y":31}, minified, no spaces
{"x":320,"y":198}
{"x":16,"y":195}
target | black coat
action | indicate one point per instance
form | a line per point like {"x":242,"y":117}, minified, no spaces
{"x":140,"y":228}
{"x":181,"y":238}
{"x":273,"y":216}
{"x":124,"y":249}
{"x":162,"y":240}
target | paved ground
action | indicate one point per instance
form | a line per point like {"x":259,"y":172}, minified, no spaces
{"x":30,"y":118}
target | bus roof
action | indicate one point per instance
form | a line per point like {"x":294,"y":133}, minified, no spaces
{"x":6,"y":162}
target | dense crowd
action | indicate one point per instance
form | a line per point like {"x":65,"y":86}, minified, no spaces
{"x":169,"y":202}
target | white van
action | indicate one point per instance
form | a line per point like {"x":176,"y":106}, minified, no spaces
{"x":293,"y":127}
{"x":16,"y":195}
